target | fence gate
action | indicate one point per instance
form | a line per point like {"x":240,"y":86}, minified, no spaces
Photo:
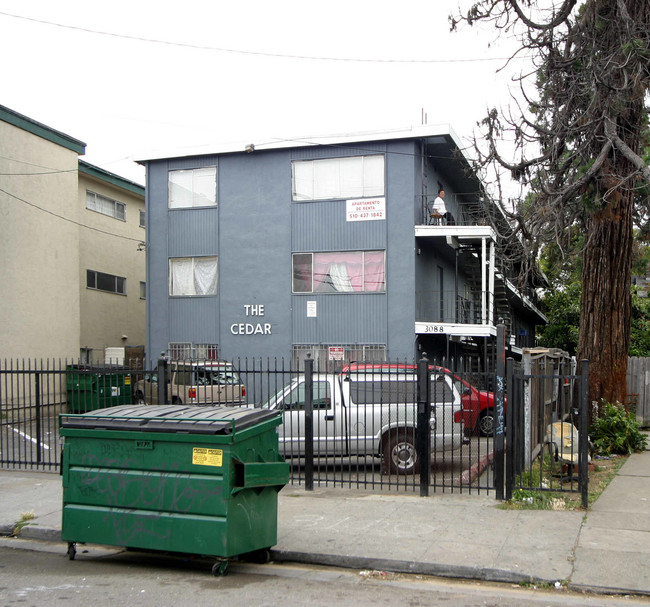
{"x":547,"y":443}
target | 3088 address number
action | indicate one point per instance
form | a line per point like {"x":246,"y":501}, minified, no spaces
{"x":434,"y":329}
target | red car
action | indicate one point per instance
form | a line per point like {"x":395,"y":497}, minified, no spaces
{"x":478,"y":405}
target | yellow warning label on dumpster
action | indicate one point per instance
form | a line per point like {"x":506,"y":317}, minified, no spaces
{"x":207,"y":457}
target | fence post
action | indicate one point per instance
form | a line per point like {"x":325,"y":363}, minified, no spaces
{"x":162,"y":380}
{"x":39,"y":442}
{"x":423,"y":436}
{"x":309,"y":424}
{"x":583,"y":438}
{"x":511,"y":430}
{"x":499,"y":419}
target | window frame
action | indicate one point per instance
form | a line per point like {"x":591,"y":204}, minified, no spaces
{"x":342,"y":194}
{"x":95,"y":282}
{"x":171,"y":260}
{"x":364,"y":265}
{"x":97,"y":208}
{"x":193,"y":192}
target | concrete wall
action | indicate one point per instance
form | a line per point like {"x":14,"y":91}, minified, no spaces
{"x":110,"y":245}
{"x":39,"y":246}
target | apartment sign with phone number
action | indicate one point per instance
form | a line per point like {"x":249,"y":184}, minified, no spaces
{"x":365,"y":209}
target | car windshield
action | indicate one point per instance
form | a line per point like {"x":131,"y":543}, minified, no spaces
{"x":276,"y":400}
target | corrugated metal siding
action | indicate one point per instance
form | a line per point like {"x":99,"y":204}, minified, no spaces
{"x":321,"y":226}
{"x":194,"y":319}
{"x":193,"y":232}
{"x":337,"y":151}
{"x":347,"y":319}
{"x":192,"y":162}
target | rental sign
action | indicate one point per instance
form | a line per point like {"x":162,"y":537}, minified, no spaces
{"x":365,"y":209}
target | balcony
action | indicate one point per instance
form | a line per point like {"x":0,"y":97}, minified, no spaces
{"x":448,"y":313}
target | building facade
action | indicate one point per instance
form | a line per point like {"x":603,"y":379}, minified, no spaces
{"x":326,"y":248}
{"x":62,"y":217}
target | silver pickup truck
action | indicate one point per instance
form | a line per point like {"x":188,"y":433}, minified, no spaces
{"x":368,"y":414}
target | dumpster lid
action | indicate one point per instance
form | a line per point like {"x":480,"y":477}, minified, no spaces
{"x":169,"y":418}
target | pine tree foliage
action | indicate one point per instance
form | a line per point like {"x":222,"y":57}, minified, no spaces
{"x":577,"y":130}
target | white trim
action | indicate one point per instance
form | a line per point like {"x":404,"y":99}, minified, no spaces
{"x":462,"y":330}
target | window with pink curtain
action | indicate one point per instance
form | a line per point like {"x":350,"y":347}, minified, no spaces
{"x":339,"y":272}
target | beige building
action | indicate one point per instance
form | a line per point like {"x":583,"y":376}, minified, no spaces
{"x":72,"y":245}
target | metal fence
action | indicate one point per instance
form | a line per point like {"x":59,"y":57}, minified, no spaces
{"x":547,"y":439}
{"x":415,"y":426}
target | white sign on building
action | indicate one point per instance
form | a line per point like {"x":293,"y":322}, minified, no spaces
{"x":365,"y":209}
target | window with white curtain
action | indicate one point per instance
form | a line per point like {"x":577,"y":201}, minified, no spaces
{"x":192,"y":276}
{"x":339,"y":272}
{"x":190,"y":188}
{"x":338,"y":178}
{"x":105,"y":206}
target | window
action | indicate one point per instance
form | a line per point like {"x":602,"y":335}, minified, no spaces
{"x":332,"y":178}
{"x":142,"y":219}
{"x":403,"y":390}
{"x":206,"y":352}
{"x":105,"y":282}
{"x":180,"y":351}
{"x":193,"y":188}
{"x":189,"y":351}
{"x":336,"y":272}
{"x":322,"y":398}
{"x":143,"y":290}
{"x":321,"y":354}
{"x":105,"y":206}
{"x":193,"y":276}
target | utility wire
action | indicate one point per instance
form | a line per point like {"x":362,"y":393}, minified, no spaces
{"x":77,"y":223}
{"x":255,"y":53}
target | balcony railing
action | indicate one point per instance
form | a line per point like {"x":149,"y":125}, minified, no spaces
{"x":462,"y":213}
{"x":449,"y":307}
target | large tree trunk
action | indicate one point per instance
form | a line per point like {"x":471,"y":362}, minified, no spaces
{"x":606,"y":305}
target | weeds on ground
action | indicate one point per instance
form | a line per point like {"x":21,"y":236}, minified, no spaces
{"x":615,"y":433}
{"x":615,"y":430}
{"x":601,"y":471}
{"x":21,"y":523}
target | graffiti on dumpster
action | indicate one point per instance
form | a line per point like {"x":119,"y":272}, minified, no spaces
{"x":120,"y":486}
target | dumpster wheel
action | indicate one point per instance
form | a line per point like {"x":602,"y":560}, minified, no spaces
{"x":220,"y":568}
{"x":72,"y":550}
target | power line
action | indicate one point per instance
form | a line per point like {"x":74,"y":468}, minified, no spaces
{"x":77,"y":223}
{"x":203,"y":47}
{"x":40,"y":166}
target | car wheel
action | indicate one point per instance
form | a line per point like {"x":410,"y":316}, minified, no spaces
{"x":400,"y":453}
{"x":486,"y":423}
{"x":139,"y":399}
{"x":176,"y":401}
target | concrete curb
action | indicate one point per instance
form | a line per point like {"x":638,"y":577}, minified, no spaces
{"x":361,"y":563}
{"x":399,"y":566}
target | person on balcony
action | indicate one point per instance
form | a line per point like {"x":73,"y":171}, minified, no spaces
{"x":439,"y":214}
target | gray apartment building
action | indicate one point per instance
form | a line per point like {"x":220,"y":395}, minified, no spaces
{"x":327,"y":247}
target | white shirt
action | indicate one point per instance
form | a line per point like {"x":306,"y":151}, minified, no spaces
{"x":439,"y":205}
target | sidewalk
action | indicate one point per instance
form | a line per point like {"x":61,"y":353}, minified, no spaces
{"x":604,"y":550}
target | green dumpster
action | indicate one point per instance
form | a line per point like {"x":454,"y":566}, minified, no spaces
{"x":91,"y":387}
{"x":173,"y":478}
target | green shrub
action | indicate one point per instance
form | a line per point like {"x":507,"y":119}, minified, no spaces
{"x":615,"y":431}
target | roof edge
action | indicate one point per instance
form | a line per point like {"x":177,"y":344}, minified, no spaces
{"x":41,"y":130}
{"x":411,"y":132}
{"x":112,"y":178}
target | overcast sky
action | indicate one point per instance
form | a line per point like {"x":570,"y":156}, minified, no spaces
{"x":242,"y":71}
